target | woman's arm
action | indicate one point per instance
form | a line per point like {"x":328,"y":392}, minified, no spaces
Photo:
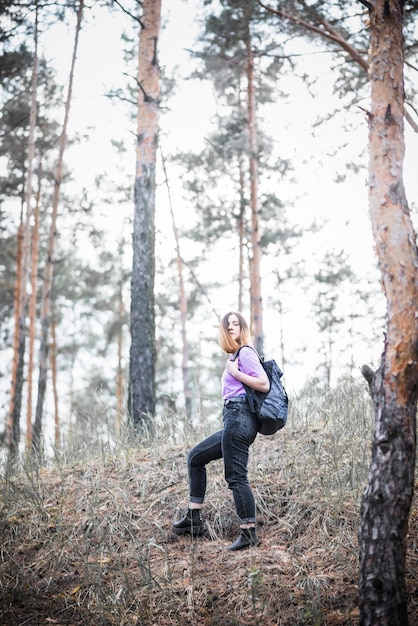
{"x":259,"y":383}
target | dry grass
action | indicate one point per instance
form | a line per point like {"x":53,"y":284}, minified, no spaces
{"x":89,"y":542}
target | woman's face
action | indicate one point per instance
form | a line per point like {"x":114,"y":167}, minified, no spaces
{"x":234,"y":329}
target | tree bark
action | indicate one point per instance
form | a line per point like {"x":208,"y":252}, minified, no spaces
{"x":241,"y":235}
{"x":119,"y":372}
{"x":13,"y":424}
{"x":53,"y":360}
{"x":32,"y":312}
{"x":387,"y":499}
{"x":141,"y":402}
{"x":255,"y":263}
{"x":183,"y":307}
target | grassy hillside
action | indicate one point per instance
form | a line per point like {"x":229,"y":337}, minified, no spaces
{"x":88,"y":541}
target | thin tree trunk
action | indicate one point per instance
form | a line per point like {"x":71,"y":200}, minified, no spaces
{"x":242,"y":258}
{"x":72,"y":418}
{"x":32,"y":313}
{"x":387,"y":499}
{"x":49,"y":266}
{"x":119,"y":383}
{"x":241,"y":234}
{"x":119,"y":374}
{"x":53,"y":360}
{"x":183,"y":307}
{"x":255,"y":275}
{"x":13,"y":424}
{"x":141,"y":401}
{"x":281,"y":312}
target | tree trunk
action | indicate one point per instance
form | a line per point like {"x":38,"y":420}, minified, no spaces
{"x":13,"y":429}
{"x":119,"y":372}
{"x":141,"y":403}
{"x":387,"y":499}
{"x":241,"y":234}
{"x":32,"y":313}
{"x":255,"y":275}
{"x":53,"y":360}
{"x":49,"y":266}
{"x":280,"y":312}
{"x":12,"y":425}
{"x":183,"y":308}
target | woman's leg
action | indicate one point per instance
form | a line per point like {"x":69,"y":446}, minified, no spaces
{"x":240,"y":431}
{"x":206,"y":451}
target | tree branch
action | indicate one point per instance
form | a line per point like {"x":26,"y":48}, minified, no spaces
{"x":134,"y":17}
{"x":147,"y":98}
{"x":368,"y":5}
{"x":114,"y":94}
{"x":411,"y":122}
{"x":300,"y":22}
{"x":368,"y":374}
{"x":328,"y":32}
{"x":355,"y":55}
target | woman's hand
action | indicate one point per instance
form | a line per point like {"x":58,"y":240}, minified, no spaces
{"x":259,"y":383}
{"x":232,"y":367}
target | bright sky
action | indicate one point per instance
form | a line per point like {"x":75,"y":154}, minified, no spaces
{"x":344,"y":205}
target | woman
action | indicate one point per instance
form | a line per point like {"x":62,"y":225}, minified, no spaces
{"x":233,"y":441}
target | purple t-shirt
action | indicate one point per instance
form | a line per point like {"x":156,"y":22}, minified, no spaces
{"x":249,"y":363}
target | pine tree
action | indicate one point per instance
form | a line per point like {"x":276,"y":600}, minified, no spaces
{"x":329,"y":279}
{"x":241,"y":58}
{"x":141,"y":403}
{"x":387,"y":499}
{"x":23,"y":264}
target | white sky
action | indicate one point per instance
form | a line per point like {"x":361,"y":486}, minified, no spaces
{"x":101,"y":67}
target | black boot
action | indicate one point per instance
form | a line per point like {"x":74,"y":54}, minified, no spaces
{"x":191,"y":524}
{"x":247,"y":538}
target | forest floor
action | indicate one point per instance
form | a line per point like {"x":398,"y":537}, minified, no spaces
{"x":90,"y":543}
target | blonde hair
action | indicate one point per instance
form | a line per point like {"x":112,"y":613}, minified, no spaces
{"x":227,"y":343}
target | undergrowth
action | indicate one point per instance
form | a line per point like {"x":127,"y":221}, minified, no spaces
{"x":86,"y":535}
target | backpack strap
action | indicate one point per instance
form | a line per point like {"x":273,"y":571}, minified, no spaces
{"x":248,"y":390}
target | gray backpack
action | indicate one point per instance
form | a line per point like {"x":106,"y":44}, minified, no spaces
{"x":270,"y":408}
